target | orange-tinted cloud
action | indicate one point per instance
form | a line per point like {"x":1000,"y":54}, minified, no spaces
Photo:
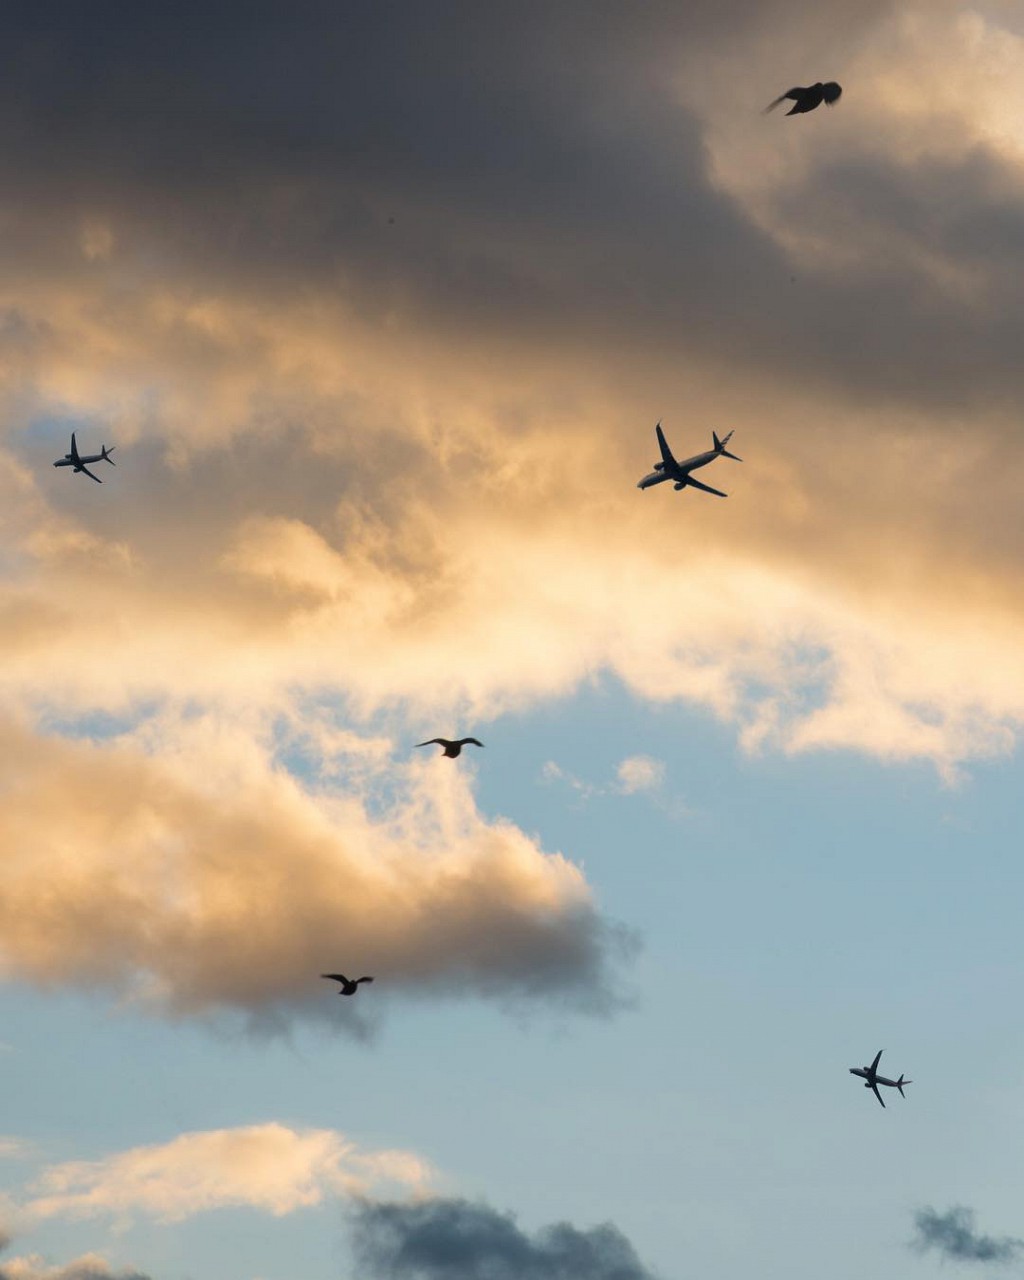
{"x":187,"y":872}
{"x":382,"y":391}
{"x":267,"y":1167}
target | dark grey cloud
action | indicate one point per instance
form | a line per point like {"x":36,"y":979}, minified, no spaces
{"x":458,"y":1240}
{"x":952,"y":1234}
{"x":541,"y":176}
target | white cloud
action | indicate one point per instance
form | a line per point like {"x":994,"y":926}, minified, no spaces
{"x":268,"y":1167}
{"x":639,"y":773}
{"x":90,"y":1266}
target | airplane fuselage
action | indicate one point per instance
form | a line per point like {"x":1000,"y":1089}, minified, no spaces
{"x":69,"y":461}
{"x":869,"y":1077}
{"x":680,"y":471}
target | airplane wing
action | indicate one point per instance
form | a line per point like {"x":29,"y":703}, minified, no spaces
{"x":666,"y":452}
{"x":877,"y":1094}
{"x":697,"y":484}
{"x":81,"y":467}
{"x":874,"y":1065}
{"x":74,"y":448}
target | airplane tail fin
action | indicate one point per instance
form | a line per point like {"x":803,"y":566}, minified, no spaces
{"x":720,"y":447}
{"x":105,"y":453}
{"x":900,"y":1083}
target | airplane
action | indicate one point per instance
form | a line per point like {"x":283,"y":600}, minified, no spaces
{"x":872,"y":1079}
{"x":669,"y":469}
{"x":76,"y":460}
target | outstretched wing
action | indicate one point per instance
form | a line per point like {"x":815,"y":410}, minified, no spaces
{"x":82,"y":467}
{"x":874,"y":1066}
{"x":338,"y":977}
{"x":876,"y":1093}
{"x":666,"y":452}
{"x":697,"y":484}
{"x":831,"y":92}
{"x":792,"y":93}
{"x":358,"y":980}
{"x":475,"y":741}
{"x":74,"y":448}
{"x":441,"y":742}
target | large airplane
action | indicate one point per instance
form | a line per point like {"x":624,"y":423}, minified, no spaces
{"x":669,"y":469}
{"x":872,"y":1079}
{"x":76,"y":460}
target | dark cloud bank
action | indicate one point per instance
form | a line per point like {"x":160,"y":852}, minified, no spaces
{"x":457,"y":1240}
{"x":523,"y":168}
{"x":952,"y":1235}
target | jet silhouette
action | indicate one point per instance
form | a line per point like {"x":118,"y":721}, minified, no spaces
{"x":76,"y":460}
{"x":809,"y":98}
{"x":348,"y":985}
{"x":872,"y":1079}
{"x":451,"y":749}
{"x":669,"y":469}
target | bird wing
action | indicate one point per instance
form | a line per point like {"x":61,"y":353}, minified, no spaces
{"x":831,"y":92}
{"x":475,"y":741}
{"x":82,"y":467}
{"x":338,"y":977}
{"x":790,"y":93}
{"x":441,"y":742}
{"x":358,"y":980}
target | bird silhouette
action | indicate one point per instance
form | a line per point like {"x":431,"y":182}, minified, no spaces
{"x":809,"y":98}
{"x":348,"y":986}
{"x":451,"y":749}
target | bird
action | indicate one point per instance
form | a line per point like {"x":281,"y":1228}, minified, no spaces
{"x":808,"y":98}
{"x":348,"y":986}
{"x":451,"y":749}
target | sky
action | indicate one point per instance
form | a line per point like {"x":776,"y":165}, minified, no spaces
{"x":379,"y":305}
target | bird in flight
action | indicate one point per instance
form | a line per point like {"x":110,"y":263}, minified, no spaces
{"x":451,"y":749}
{"x":348,"y":985}
{"x":808,"y":98}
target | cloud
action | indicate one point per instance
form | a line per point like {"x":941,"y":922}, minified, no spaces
{"x":90,"y":1266}
{"x":952,"y":1235}
{"x":267,"y":1167}
{"x":387,"y":370}
{"x":455,"y":1239}
{"x":639,"y":773}
{"x":182,"y":868}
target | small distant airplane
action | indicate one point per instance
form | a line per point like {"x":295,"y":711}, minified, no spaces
{"x":348,"y":985}
{"x":809,"y":97}
{"x":669,"y":469}
{"x":76,"y":460}
{"x":872,"y":1079}
{"x":451,"y":749}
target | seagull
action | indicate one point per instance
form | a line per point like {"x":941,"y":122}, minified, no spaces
{"x":348,"y":987}
{"x":807,"y":99}
{"x":451,"y":749}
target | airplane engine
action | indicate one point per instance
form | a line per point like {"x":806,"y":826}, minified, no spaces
{"x":680,"y":485}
